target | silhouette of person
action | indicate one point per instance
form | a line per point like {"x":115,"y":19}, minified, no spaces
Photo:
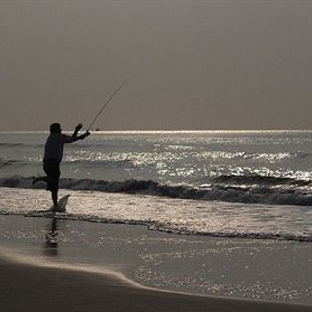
{"x":53,"y":154}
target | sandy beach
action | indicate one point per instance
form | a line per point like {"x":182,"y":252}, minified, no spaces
{"x":34,"y":288}
{"x":83,"y":276}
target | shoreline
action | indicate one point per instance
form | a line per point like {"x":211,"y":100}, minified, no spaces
{"x":148,"y":262}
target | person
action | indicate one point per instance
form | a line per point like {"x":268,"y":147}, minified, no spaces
{"x":53,"y":154}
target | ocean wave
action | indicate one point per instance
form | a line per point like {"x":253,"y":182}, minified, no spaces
{"x":11,"y":144}
{"x":278,"y":236}
{"x":172,"y":228}
{"x":86,"y":163}
{"x":258,"y":180}
{"x":22,"y":145}
{"x":303,"y":155}
{"x":214,"y":192}
{"x":5,"y":162}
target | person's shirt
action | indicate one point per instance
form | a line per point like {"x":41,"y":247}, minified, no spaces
{"x":54,"y":146}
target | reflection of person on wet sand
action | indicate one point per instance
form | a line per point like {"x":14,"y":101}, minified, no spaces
{"x":53,"y":154}
{"x":51,"y":244}
{"x":52,"y":234}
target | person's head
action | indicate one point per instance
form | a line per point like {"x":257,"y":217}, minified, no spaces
{"x":55,"y":128}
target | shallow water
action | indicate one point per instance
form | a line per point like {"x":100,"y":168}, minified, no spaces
{"x":180,"y":216}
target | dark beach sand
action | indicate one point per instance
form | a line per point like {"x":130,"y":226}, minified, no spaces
{"x":33,"y":288}
{"x":87,"y":272}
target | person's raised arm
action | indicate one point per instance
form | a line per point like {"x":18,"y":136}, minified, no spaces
{"x":75,"y":137}
{"x":77,"y":129}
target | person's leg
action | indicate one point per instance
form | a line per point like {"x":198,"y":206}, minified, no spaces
{"x":52,"y":168}
{"x":39,"y":179}
{"x":53,"y":185}
{"x":54,"y":193}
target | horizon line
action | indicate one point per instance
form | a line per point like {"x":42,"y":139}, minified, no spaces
{"x":169,"y":131}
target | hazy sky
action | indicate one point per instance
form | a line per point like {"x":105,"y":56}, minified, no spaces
{"x":192,"y":64}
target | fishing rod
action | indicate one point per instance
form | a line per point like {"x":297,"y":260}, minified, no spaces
{"x":106,"y":103}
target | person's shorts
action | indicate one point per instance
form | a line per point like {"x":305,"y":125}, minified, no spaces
{"x":52,"y":168}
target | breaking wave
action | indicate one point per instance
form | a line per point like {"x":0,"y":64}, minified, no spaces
{"x":259,"y":180}
{"x":11,"y":144}
{"x":218,"y":190}
{"x":5,"y":163}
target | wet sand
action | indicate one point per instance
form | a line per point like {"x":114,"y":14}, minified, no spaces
{"x":33,"y":288}
{"x":85,"y":276}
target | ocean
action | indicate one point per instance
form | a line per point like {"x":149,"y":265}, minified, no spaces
{"x":213,"y":183}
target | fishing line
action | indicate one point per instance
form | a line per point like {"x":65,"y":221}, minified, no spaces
{"x":106,"y":103}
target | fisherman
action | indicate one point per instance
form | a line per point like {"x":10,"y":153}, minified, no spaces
{"x":53,"y":154}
